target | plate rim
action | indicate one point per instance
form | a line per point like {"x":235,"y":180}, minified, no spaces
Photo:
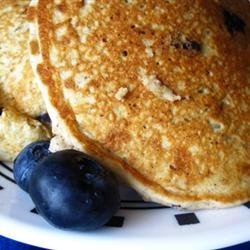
{"x":64,"y":239}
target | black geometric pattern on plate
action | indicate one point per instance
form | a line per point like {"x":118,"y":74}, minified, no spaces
{"x":126,"y":204}
{"x":247,"y":204}
{"x":140,"y":205}
{"x":131,"y":200}
{"x":34,"y":211}
{"x":115,"y":221}
{"x":186,"y":219}
{"x":5,"y":176}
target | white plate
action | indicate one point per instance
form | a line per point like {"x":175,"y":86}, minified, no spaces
{"x":137,"y":226}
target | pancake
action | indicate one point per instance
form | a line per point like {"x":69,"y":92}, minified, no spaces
{"x":20,"y":98}
{"x":158,"y":91}
{"x":17,"y":131}
{"x":17,"y":82}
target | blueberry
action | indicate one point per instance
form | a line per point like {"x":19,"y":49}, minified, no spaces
{"x":233,"y":23}
{"x":192,"y":45}
{"x":72,"y":191}
{"x":44,"y":118}
{"x":186,"y":44}
{"x":27,"y":159}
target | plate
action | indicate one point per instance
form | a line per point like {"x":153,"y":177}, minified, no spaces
{"x":138,"y":225}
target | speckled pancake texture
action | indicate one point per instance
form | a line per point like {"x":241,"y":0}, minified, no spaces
{"x":158,"y":91}
{"x":20,"y":98}
{"x":17,"y":82}
{"x":17,"y":131}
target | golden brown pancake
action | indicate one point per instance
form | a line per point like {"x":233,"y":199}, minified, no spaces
{"x":17,"y":131}
{"x":158,"y":91}
{"x":17,"y":82}
{"x":20,"y":98}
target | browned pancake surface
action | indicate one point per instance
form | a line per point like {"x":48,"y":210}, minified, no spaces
{"x":158,"y":90}
{"x":20,"y":98}
{"x":17,"y":82}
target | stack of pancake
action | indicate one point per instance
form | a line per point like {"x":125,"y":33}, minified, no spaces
{"x":20,"y":99}
{"x":158,"y":91}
